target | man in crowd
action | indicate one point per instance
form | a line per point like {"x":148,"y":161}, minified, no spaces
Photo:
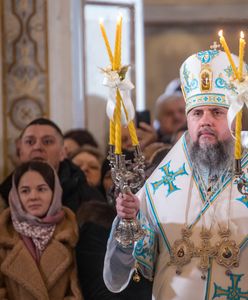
{"x":192,"y":209}
{"x":42,"y":140}
{"x":170,"y":112}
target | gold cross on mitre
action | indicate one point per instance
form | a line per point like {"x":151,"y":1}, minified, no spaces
{"x":215,"y":46}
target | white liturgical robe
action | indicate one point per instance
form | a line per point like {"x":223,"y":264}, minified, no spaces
{"x":172,"y":197}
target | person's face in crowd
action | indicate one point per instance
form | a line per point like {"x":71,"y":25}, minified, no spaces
{"x":208,"y":125}
{"x":126,"y":141}
{"x":90,"y":165}
{"x":42,"y":142}
{"x":70,"y":146}
{"x":171,"y":115}
{"x":35,"y":194}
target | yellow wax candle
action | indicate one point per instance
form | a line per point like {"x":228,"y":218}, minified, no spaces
{"x":228,"y":53}
{"x":111,"y":132}
{"x":119,"y":43}
{"x":122,"y":103}
{"x":117,"y":46}
{"x":131,"y":127}
{"x":105,"y":38}
{"x":241,"y":55}
{"x":133,"y":133}
{"x":238,"y":148}
{"x":118,"y":125}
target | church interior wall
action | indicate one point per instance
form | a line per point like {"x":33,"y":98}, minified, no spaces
{"x":175,"y":31}
{"x":169,"y":39}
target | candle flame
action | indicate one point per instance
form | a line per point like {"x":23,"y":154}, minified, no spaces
{"x":242,"y":35}
{"x":101,"y":21}
{"x":220,"y":33}
{"x":119,"y":18}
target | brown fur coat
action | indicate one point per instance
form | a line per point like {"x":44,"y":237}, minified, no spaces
{"x":53,"y":278}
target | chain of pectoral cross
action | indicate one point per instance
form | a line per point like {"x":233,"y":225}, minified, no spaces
{"x":225,"y":252}
{"x":206,"y":251}
{"x":215,"y":182}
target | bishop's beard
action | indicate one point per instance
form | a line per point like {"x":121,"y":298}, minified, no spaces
{"x":214,"y":157}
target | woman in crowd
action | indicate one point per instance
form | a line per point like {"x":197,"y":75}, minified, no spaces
{"x":76,"y":138}
{"x":37,"y":238}
{"x":89,"y":160}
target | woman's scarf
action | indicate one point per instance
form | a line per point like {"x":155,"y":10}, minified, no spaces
{"x":39,"y":230}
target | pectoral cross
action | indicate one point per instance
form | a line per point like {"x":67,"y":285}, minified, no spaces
{"x":233,"y":291}
{"x":205,"y":252}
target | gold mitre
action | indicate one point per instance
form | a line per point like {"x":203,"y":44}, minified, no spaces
{"x":207,"y":78}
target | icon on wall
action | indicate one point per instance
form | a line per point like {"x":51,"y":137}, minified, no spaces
{"x":24,"y":110}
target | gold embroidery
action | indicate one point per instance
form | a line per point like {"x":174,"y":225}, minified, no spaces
{"x":206,"y":77}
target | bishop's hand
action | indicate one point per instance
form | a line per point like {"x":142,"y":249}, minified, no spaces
{"x":127,"y":206}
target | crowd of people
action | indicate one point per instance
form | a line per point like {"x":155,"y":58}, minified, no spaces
{"x":60,"y":208}
{"x":57,"y":208}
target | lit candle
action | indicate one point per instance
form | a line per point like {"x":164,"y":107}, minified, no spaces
{"x":116,"y":65}
{"x":241,"y":54}
{"x":115,"y":124}
{"x":119,"y":43}
{"x":228,"y":53}
{"x":105,"y":38}
{"x":238,"y":149}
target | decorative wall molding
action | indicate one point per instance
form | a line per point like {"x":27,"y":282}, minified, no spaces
{"x":25,"y":69}
{"x":193,"y":14}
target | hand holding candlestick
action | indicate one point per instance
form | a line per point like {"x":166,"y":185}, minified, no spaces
{"x":129,"y":230}
{"x":128,"y":176}
{"x":127,"y":205}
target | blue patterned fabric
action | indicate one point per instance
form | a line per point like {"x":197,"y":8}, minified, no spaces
{"x":169,"y":178}
{"x":233,"y":292}
{"x":206,"y":56}
{"x":207,"y":79}
{"x":145,"y":250}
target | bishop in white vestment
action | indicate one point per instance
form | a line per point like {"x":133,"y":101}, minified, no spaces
{"x":194,"y":210}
